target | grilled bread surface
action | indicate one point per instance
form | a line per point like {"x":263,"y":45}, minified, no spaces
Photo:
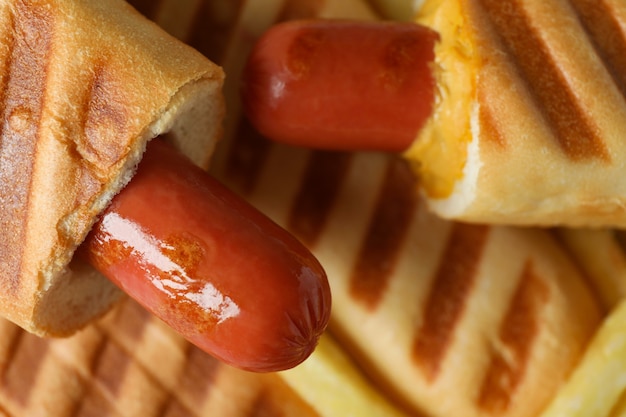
{"x":445,"y":318}
{"x":530,"y":112}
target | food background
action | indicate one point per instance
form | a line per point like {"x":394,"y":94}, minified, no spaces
{"x":392,"y":265}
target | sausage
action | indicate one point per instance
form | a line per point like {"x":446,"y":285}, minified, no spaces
{"x":212,"y":267}
{"x":342,"y":85}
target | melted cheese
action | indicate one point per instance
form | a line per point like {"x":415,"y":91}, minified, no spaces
{"x":439,"y":153}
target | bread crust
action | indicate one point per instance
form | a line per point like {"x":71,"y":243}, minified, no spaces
{"x":84,"y":86}
{"x":546,"y":116}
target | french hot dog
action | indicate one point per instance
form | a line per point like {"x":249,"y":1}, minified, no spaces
{"x":85,"y":86}
{"x":516,"y":107}
{"x":81,"y":97}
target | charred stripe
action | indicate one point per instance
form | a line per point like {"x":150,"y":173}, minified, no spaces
{"x":22,"y":99}
{"x":148,"y":8}
{"x":318,"y":192}
{"x":607,"y":34}
{"x":212,"y":28}
{"x":573,"y":127}
{"x":448,"y":296}
{"x":518,"y":333}
{"x":28,"y":355}
{"x":387,"y":232}
{"x":246,"y":158}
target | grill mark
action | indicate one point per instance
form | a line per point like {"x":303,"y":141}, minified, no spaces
{"x":446,"y":302}
{"x":620,"y":239}
{"x":248,"y":154}
{"x":172,"y":404}
{"x":315,"y":199}
{"x":490,"y":127}
{"x":12,"y":349}
{"x":21,"y":103}
{"x":262,"y":406}
{"x":386,"y":234}
{"x":518,"y":333}
{"x":148,"y":8}
{"x":577,"y":134}
{"x":29,"y":354}
{"x":96,"y":357}
{"x":175,"y":409}
{"x":170,"y":401}
{"x":78,"y":402}
{"x":618,"y":409}
{"x":4,"y":412}
{"x":107,"y":366}
{"x":105,"y":120}
{"x":110,"y":367}
{"x":132,"y":320}
{"x":198,"y":377}
{"x":88,"y":183}
{"x":211,"y":29}
{"x":94,"y":404}
{"x":300,"y":9}
{"x":607,"y":36}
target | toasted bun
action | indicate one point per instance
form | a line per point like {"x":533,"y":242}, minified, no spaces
{"x":530,"y":115}
{"x":84,"y":86}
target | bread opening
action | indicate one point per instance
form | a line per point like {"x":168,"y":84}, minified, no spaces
{"x":439,"y":153}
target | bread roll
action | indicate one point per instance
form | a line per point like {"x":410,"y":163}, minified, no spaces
{"x":84,"y":86}
{"x":530,"y":112}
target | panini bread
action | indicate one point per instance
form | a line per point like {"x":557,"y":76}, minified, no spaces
{"x":530,"y":112}
{"x":84,"y":86}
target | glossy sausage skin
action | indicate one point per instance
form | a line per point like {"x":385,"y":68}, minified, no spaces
{"x":216,"y":270}
{"x":343,"y":85}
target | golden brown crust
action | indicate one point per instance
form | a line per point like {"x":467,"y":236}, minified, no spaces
{"x":84,"y":86}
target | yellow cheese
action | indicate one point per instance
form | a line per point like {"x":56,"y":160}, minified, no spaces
{"x":439,"y":152}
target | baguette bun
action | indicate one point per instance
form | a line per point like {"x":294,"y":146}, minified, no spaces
{"x":530,"y":112}
{"x":84,"y":86}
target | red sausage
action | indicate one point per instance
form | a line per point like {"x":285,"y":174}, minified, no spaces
{"x":216,"y":270}
{"x":341,"y":85}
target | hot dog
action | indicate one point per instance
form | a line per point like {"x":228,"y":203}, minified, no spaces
{"x":216,"y":270}
{"x":85,"y":87}
{"x":341,"y":84}
{"x":515,"y":108}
